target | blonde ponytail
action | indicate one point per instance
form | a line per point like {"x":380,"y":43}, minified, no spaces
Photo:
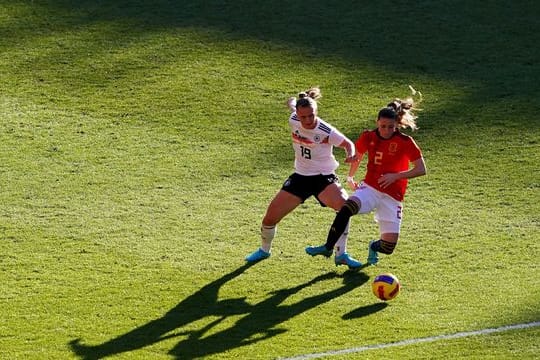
{"x":309,"y":98}
{"x":406,"y":109}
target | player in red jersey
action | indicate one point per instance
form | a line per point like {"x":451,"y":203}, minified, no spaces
{"x":390,"y":154}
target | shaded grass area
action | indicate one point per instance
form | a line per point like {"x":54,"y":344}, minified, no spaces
{"x":449,"y":39}
{"x":486,"y":48}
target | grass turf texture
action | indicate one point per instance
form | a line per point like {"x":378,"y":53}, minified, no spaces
{"x":141,"y":142}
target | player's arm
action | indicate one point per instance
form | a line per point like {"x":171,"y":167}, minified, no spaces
{"x":291,"y":104}
{"x":361,"y":149}
{"x":418,"y":169}
{"x":353,"y":168}
{"x":352,"y":160}
{"x":350,"y":150}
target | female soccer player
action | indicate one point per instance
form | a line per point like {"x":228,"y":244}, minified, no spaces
{"x":390,"y":154}
{"x":314,"y":175}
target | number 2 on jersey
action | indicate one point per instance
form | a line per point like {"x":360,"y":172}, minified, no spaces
{"x":378,"y":158}
{"x":306,"y":152}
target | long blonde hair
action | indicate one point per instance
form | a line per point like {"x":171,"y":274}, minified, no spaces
{"x":406,"y":109}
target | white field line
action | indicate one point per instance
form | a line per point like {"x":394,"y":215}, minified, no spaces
{"x":416,"y":341}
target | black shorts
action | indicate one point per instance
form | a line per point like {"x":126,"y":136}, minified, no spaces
{"x":306,"y":186}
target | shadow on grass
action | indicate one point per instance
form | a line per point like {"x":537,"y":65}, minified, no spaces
{"x":364,"y":311}
{"x":259,"y":323}
{"x":199,"y":305}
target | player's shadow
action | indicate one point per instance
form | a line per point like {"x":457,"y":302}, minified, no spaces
{"x":197,"y":306}
{"x":259,"y":323}
{"x":263,"y":318}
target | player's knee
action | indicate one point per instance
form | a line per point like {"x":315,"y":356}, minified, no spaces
{"x":339,"y":226}
{"x":350,"y":208}
{"x":272,"y":217}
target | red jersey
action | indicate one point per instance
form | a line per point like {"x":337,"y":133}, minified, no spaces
{"x":387,"y":156}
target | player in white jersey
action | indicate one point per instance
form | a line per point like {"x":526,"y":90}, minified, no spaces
{"x":314,"y":174}
{"x":313,"y":147}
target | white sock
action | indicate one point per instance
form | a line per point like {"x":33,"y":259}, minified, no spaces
{"x":341,"y":245}
{"x":267,"y":235}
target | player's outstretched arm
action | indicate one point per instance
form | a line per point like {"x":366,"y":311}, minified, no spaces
{"x":353,"y":168}
{"x":350,"y":150}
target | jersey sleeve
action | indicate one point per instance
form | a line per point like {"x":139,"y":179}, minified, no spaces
{"x":336,"y":137}
{"x":414,"y":150}
{"x":293,"y":118}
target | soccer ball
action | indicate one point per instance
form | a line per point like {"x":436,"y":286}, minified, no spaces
{"x":385,"y":286}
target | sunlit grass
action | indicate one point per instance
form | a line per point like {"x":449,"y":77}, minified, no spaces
{"x":138,"y":157}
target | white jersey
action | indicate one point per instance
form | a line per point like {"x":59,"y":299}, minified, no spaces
{"x":313,"y":148}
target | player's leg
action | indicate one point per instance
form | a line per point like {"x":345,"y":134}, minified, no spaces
{"x":339,"y":225}
{"x":388,"y":215}
{"x":362,"y":201}
{"x":385,"y":245}
{"x":335,"y":196}
{"x":282,"y":204}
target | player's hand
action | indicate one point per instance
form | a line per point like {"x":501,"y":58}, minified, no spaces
{"x":351,"y":159}
{"x":352,"y":183}
{"x":387,"y":179}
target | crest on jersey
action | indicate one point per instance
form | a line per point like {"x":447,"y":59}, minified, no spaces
{"x":317,"y":138}
{"x":392,"y":147}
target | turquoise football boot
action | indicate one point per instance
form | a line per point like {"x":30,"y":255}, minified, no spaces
{"x":373,"y":256}
{"x":346,"y":259}
{"x":318,"y":250}
{"x":257,"y":255}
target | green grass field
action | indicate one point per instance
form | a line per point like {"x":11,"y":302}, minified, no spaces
{"x":141,"y":141}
